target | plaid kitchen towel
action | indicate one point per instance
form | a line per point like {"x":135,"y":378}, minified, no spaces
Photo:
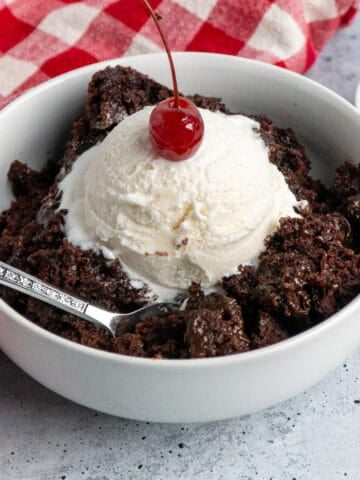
{"x":40,"y":39}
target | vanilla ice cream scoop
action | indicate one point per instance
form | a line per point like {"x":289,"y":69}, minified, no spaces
{"x":173,"y":223}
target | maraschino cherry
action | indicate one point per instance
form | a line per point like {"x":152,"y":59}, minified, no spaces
{"x":176,"y":126}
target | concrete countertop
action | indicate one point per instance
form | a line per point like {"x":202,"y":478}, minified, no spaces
{"x":313,"y":436}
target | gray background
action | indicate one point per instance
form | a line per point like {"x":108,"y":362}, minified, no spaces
{"x":313,"y":436}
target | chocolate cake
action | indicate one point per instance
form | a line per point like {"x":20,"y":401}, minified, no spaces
{"x":309,"y":269}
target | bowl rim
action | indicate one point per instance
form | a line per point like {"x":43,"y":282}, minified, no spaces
{"x":267,"y":67}
{"x":244,"y":357}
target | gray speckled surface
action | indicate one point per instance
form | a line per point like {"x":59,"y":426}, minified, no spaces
{"x":338,"y":67}
{"x":313,"y":436}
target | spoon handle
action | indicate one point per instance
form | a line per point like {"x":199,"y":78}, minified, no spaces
{"x":25,"y":283}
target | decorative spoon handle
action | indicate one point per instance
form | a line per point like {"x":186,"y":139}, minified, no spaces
{"x":25,"y":283}
{"x":115,"y":323}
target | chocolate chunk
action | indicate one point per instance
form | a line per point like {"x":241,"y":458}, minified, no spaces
{"x":267,"y":331}
{"x":215,"y":327}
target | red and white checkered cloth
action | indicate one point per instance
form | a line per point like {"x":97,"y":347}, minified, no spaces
{"x":40,"y":39}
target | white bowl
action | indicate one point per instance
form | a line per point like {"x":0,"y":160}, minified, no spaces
{"x":34,"y":127}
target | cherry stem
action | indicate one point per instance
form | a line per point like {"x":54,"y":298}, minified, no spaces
{"x":166,"y":45}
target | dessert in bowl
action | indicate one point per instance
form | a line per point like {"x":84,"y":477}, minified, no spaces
{"x":176,"y":390}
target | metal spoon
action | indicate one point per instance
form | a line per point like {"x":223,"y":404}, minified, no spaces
{"x":115,"y":323}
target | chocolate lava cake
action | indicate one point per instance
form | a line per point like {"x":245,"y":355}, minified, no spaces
{"x":309,"y":269}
